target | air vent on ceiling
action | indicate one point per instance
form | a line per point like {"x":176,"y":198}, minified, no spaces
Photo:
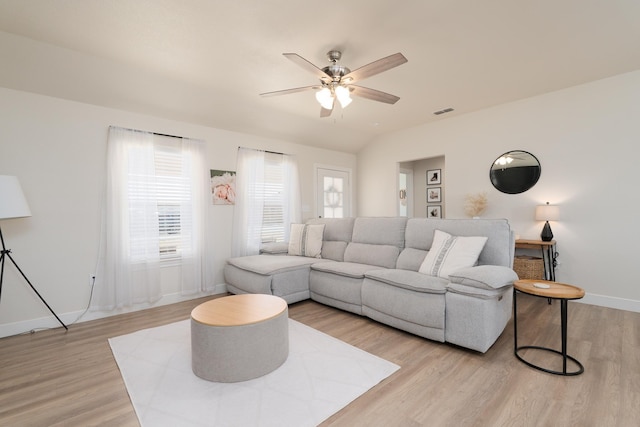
{"x":446,"y":110}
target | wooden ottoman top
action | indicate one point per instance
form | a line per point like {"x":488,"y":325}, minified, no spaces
{"x":237,"y":310}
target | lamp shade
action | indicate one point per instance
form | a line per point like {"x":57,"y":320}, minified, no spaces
{"x":342,"y":93}
{"x":325,"y":98}
{"x":547,"y":212}
{"x":12,"y":201}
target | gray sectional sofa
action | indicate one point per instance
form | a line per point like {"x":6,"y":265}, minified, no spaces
{"x":381,"y":268}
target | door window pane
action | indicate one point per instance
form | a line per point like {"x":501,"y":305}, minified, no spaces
{"x":333,"y":197}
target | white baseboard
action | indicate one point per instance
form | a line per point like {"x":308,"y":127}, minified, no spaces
{"x":34,"y":325}
{"x":611,"y":302}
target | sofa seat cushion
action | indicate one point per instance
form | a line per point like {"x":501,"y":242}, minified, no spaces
{"x":420,"y":313}
{"x":270,"y":264}
{"x":410,"y":280}
{"x":484,"y":277}
{"x":347,"y":269}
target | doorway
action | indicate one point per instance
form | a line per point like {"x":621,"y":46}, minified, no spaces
{"x":418,"y":204}
{"x":405,"y":193}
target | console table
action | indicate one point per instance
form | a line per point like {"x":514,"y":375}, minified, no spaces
{"x":549,"y":254}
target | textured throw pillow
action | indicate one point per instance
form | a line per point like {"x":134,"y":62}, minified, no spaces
{"x":450,"y":253}
{"x":306,"y":240}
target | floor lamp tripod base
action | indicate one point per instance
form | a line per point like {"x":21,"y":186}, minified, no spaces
{"x":6,"y":254}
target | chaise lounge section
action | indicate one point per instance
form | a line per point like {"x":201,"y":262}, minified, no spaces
{"x":381,"y":268}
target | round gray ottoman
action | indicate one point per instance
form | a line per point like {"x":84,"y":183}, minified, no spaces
{"x":239,"y":337}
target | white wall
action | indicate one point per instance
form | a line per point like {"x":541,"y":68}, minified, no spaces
{"x":587,"y":139}
{"x":57,"y":150}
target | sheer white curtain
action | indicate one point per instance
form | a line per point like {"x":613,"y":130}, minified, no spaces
{"x":292,"y":204}
{"x":250,"y":199}
{"x":248,"y":211}
{"x":196,"y":272}
{"x":134,"y":224}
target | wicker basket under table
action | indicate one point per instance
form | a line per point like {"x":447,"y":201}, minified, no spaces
{"x":529,"y":267}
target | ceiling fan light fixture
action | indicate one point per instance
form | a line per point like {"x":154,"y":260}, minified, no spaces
{"x":342,"y":93}
{"x":336,"y":80}
{"x":325,"y":98}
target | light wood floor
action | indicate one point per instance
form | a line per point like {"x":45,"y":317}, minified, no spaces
{"x":53,"y":378}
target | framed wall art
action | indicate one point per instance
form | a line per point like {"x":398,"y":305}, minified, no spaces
{"x":434,"y":195}
{"x":434,"y":212}
{"x":434,"y":176}
{"x":223,"y":187}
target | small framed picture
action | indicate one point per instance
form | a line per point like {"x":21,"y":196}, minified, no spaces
{"x":434,"y":195}
{"x":434,"y":212}
{"x":223,"y":187}
{"x":434,"y":177}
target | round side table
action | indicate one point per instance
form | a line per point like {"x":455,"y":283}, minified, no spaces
{"x":549,"y":290}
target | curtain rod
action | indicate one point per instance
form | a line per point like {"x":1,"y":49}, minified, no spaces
{"x":152,"y":133}
{"x":265,"y":151}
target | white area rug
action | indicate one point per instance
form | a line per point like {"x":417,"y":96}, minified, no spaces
{"x":321,"y":376}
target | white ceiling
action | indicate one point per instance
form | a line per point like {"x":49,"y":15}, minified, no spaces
{"x":206,"y":61}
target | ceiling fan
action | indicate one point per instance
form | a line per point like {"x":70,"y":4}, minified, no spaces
{"x":336,"y":81}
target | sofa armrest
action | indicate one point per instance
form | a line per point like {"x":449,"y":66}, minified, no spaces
{"x":484,"y":276}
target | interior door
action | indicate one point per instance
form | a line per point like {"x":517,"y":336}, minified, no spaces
{"x":333,"y":193}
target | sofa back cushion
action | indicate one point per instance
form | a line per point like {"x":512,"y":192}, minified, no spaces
{"x":337,"y":234}
{"x":498,"y":250}
{"x":411,"y":259}
{"x":376,"y":241}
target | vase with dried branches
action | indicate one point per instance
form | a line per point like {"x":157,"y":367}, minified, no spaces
{"x":475,"y":204}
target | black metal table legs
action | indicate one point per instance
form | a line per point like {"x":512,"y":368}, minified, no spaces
{"x":563,"y":353}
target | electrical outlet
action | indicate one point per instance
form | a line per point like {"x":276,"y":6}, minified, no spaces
{"x":92,"y":279}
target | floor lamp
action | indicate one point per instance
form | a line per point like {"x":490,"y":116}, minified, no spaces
{"x":14,"y":205}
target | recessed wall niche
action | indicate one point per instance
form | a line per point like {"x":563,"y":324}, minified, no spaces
{"x":414,"y":188}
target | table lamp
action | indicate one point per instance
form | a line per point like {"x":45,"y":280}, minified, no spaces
{"x":547,"y":213}
{"x":14,"y":205}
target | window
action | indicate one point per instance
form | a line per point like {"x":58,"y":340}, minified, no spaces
{"x":159,"y":195}
{"x":267,"y":202}
{"x":156,"y":205}
{"x":273,"y":210}
{"x":174,"y":197}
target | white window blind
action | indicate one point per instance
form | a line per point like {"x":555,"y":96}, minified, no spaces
{"x":174,"y":199}
{"x":160,"y":195}
{"x":274,"y":204}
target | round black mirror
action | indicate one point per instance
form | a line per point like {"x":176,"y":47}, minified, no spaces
{"x":515,"y":172}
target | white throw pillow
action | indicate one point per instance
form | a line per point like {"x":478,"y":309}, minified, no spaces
{"x":450,"y":253}
{"x":306,"y":240}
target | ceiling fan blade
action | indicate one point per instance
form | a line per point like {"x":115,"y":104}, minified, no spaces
{"x":288,"y":91}
{"x":375,"y":95}
{"x":308,"y":66}
{"x":324,"y":112}
{"x":376,"y":67}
